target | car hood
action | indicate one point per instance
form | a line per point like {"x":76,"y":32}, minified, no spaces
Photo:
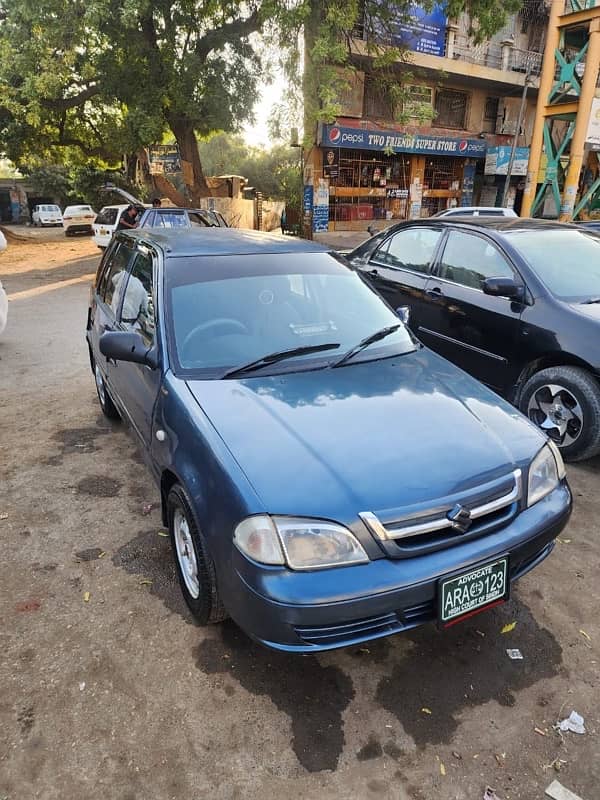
{"x":588,"y":310}
{"x":367,"y":436}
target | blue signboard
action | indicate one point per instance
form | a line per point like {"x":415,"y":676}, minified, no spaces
{"x":320,"y":219}
{"x":307,"y":203}
{"x":421,"y":31}
{"x":466,"y":198}
{"x":381,"y":139}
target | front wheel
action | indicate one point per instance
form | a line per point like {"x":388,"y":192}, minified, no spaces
{"x":565,"y":403}
{"x":195,"y":567}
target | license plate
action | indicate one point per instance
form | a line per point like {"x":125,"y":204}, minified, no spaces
{"x":103,"y":231}
{"x":465,"y":594}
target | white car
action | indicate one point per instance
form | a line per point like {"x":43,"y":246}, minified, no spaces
{"x":78,"y":218}
{"x":477,"y":211}
{"x":106,"y":224}
{"x":3,"y":297}
{"x":47,"y":214}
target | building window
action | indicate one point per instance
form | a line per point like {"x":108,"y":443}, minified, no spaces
{"x":419,"y":99}
{"x":450,"y":108}
{"x":377,"y":99}
{"x":491,"y":108}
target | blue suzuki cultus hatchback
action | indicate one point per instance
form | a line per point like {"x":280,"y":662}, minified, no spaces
{"x":326,"y":479}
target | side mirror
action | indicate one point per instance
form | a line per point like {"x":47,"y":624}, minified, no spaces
{"x":503,"y":287}
{"x":403,"y":313}
{"x":127,"y":346}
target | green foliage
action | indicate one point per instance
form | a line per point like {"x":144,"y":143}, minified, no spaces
{"x":274,"y":172}
{"x":76,"y":184}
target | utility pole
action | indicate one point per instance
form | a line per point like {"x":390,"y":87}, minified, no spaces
{"x":515,"y":140}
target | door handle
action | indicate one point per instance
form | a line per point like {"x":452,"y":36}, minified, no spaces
{"x":436,"y":292}
{"x":373,"y":271}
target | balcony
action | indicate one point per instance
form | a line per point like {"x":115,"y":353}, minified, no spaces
{"x":497,"y":56}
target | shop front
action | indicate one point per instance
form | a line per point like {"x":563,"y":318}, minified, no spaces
{"x":376,"y":174}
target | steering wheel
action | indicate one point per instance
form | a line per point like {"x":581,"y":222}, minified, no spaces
{"x":219,"y":322}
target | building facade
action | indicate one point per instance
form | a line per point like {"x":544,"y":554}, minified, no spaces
{"x":459,"y":109}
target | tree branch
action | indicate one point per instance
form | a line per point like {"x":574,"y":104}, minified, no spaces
{"x":227,"y":32}
{"x":64,"y":103}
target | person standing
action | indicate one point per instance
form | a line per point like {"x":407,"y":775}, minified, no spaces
{"x":129,"y":219}
{"x":283,"y":220}
{"x":156,"y":203}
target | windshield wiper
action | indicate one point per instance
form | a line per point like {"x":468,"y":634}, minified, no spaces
{"x":281,"y":355}
{"x":590,"y":301}
{"x":374,"y":337}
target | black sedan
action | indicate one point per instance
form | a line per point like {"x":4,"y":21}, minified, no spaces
{"x":514,"y":302}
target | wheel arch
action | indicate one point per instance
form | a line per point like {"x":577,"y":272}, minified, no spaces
{"x":549,"y":360}
{"x":168,"y":479}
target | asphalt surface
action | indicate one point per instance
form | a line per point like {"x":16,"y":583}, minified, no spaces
{"x":107,"y":688}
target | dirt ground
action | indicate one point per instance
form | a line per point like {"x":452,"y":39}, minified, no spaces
{"x":107,"y":689}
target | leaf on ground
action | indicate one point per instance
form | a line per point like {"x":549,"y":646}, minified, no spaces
{"x":86,"y":597}
{"x":510,"y":626}
{"x":426,"y":710}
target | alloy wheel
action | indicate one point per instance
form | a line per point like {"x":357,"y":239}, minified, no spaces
{"x":186,"y":555}
{"x":557,"y":411}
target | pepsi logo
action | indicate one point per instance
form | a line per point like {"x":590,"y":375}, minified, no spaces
{"x":463,"y":145}
{"x":334,"y":135}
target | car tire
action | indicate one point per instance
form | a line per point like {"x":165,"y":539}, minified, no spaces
{"x":565,"y":403}
{"x":109,"y":409}
{"x":194,"y":565}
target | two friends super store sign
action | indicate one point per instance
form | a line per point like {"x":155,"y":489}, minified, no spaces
{"x":378,"y":139}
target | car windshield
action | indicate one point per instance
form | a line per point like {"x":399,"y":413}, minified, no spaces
{"x":227,"y":311}
{"x":566,"y":261}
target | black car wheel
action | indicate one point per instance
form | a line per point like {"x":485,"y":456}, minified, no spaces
{"x":106,"y":404}
{"x":565,"y":403}
{"x":195,"y":568}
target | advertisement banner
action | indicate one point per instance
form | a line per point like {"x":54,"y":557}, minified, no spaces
{"x":164,"y":159}
{"x":394,"y":141}
{"x":593,"y":131}
{"x":498,"y":158}
{"x":321,"y":207}
{"x":421,"y":31}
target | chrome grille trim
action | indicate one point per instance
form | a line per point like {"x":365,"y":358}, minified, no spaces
{"x":436,"y":519}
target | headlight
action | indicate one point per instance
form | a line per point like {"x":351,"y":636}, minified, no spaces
{"x":301,"y":543}
{"x":545,"y":472}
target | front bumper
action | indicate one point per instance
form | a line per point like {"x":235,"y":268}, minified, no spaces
{"x":309,"y":612}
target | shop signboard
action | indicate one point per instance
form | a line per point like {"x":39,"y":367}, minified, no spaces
{"x":466,"y":197}
{"x":420,"y":30}
{"x":307,"y":203}
{"x":593,"y":131}
{"x":321,"y":207}
{"x":383,"y":140}
{"x":497,"y":160}
{"x":164,"y":159}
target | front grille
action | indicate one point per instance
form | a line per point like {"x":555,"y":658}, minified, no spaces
{"x":457,"y":517}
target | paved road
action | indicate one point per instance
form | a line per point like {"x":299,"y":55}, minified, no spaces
{"x":108,"y":690}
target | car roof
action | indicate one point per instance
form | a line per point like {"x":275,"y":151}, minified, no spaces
{"x":502,"y":224}
{"x":181,"y":242}
{"x":123,"y":206}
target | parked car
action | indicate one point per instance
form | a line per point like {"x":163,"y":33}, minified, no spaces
{"x":47,"y":214}
{"x":325,"y":478}
{"x":106,"y":223}
{"x":78,"y":219}
{"x":171,"y":217}
{"x":516,"y":303}
{"x":477,"y":211}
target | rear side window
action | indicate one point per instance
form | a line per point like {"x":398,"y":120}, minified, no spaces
{"x":469,"y":260}
{"x":108,"y":216}
{"x":197,"y":220}
{"x":412,"y":248}
{"x":115,"y":271}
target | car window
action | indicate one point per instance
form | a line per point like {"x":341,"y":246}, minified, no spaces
{"x":173,"y":219}
{"x":115,"y":271}
{"x":196,"y":220}
{"x":137,"y":311}
{"x":412,"y":248}
{"x":108,"y":216}
{"x":469,"y":260}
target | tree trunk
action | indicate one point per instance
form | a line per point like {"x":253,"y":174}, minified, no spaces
{"x":193,"y":174}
